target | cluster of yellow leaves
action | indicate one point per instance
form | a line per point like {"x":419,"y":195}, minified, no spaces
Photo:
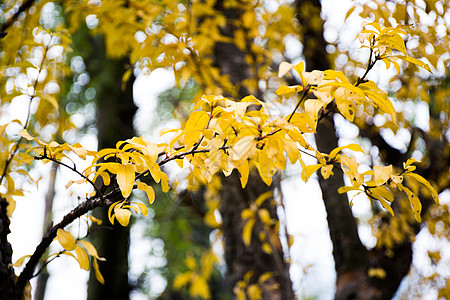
{"x":197,"y":276}
{"x":245,"y":290}
{"x":80,"y":250}
{"x":183,"y":35}
{"x":254,"y":213}
{"x":383,"y":180}
{"x":221,"y":135}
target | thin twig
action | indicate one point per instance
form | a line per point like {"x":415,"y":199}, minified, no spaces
{"x":16,"y":146}
{"x":45,"y":156}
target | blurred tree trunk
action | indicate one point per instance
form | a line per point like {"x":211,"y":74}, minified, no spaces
{"x":115,"y":112}
{"x":241,"y":259}
{"x":352,"y":259}
{"x":48,"y":211}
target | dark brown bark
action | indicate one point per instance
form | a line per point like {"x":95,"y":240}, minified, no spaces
{"x":7,"y":277}
{"x":348,"y":252}
{"x":23,"y":7}
{"x":115,"y":112}
{"x":352,"y":259}
{"x":241,"y":259}
{"x":50,"y":235}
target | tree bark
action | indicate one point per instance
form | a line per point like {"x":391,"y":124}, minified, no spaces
{"x":352,"y":259}
{"x":239,"y":258}
{"x":7,"y":276}
{"x":115,"y":109}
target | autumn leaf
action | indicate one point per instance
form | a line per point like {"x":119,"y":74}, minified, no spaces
{"x":82,"y":257}
{"x":66,"y":239}
{"x":125,"y":179}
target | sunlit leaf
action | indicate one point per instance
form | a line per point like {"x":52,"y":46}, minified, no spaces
{"x":247,"y":232}
{"x":82,"y":257}
{"x":125,"y":179}
{"x":66,"y":239}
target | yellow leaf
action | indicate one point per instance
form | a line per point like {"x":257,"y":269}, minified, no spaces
{"x":247,"y":213}
{"x":94,"y":220}
{"x":284,"y":68}
{"x":125,"y":179}
{"x":98,"y":274}
{"x":199,"y":288}
{"x":264,"y":215}
{"x":284,"y":90}
{"x":164,"y":182}
{"x":385,"y":205}
{"x":190,"y":262}
{"x":111,"y":215}
{"x":143,"y":208}
{"x":122,"y":215}
{"x":382,"y":174}
{"x":353,"y":147}
{"x":247,"y":232}
{"x":326,"y":171}
{"x":254,"y":292}
{"x":19,"y":262}
{"x":397,"y":179}
{"x":24,"y":133}
{"x":415,"y":203}
{"x":66,"y":239}
{"x":417,"y":62}
{"x":382,"y":191}
{"x":299,"y":68}
{"x":349,"y":12}
{"x":344,"y":102}
{"x":309,"y":170}
{"x":91,"y":250}
{"x":425,"y":182}
{"x":376,"y":272}
{"x":243,"y":172}
{"x":263,"y":197}
{"x":243,"y":148}
{"x":409,"y":162}
{"x":82,"y":257}
{"x":147,"y":189}
{"x":182,"y":280}
{"x":195,"y":124}
{"x":345,"y":189}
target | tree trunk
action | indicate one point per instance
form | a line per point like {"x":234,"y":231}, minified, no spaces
{"x":352,"y":260}
{"x":239,"y":258}
{"x":7,"y":277}
{"x":115,"y":109}
{"x":44,"y":275}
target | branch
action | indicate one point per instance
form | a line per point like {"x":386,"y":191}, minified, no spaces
{"x":25,"y":5}
{"x":305,"y":93}
{"x":45,"y":156}
{"x":50,"y":235}
{"x":16,"y":147}
{"x":370,"y":65}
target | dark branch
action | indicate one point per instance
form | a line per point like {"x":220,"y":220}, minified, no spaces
{"x":49,"y":236}
{"x":25,"y":5}
{"x":45,"y":156}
